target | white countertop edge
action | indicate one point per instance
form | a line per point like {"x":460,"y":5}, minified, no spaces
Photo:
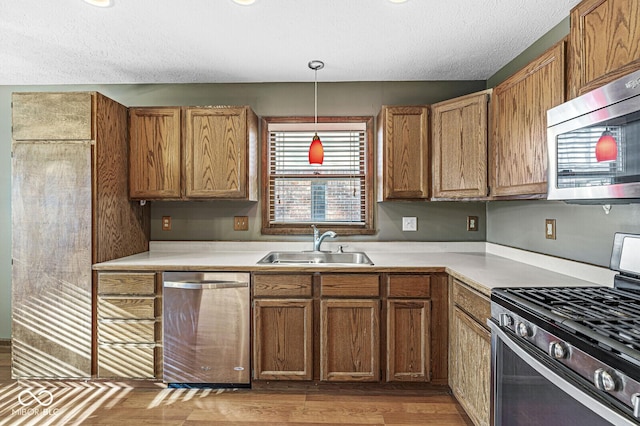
{"x":583,"y":271}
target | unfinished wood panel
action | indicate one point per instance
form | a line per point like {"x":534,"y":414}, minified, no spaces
{"x":126,"y":361}
{"x":403,"y":153}
{"x":51,"y":253}
{"x":519,"y":143}
{"x":604,"y":43}
{"x":293,"y":285}
{"x":142,"y":283}
{"x":414,"y":285}
{"x":217,"y":153}
{"x":52,"y":116}
{"x":439,"y":329}
{"x":121,"y":226}
{"x":155,"y":152}
{"x":459,"y":146}
{"x":283,"y":339}
{"x":350,"y":285}
{"x":472,"y":302}
{"x":408,"y":340}
{"x":350,"y":340}
{"x":142,"y":307}
{"x":471,"y":366}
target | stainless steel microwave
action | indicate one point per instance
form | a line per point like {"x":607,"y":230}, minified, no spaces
{"x":594,"y":144}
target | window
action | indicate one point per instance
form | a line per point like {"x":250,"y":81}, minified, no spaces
{"x":338,"y":193}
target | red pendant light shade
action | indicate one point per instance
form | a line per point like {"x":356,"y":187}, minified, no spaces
{"x":316,"y":151}
{"x":606,"y":147}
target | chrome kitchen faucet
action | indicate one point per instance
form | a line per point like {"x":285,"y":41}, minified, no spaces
{"x":317,"y":238}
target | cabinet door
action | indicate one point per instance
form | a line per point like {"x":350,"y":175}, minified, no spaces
{"x":519,"y":144}
{"x":408,"y":348}
{"x":349,"y":340}
{"x":403,"y":153}
{"x":283,"y":339}
{"x":459,"y":154}
{"x":154,"y":157}
{"x":604,"y":43}
{"x":471,"y":366}
{"x":215,"y":152}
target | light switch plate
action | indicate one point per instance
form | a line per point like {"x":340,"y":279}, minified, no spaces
{"x":241,"y":223}
{"x":472,"y":223}
{"x":409,"y":223}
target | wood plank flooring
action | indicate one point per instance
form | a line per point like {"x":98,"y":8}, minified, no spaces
{"x":45,"y":402}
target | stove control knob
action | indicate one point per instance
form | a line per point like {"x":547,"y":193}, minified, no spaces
{"x":558,"y":350}
{"x":523,"y":330}
{"x":605,"y":380}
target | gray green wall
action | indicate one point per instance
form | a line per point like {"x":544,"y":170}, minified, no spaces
{"x":213,"y":220}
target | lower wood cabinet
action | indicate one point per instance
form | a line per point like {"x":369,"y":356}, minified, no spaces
{"x":350,"y":340}
{"x":470,"y":352}
{"x":282,"y":327}
{"x":408,"y":345}
{"x":128,"y":329}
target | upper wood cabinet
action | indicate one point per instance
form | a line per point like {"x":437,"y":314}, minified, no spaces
{"x":194,"y":153}
{"x":403,"y":153}
{"x":518,"y":148}
{"x":154,"y":152}
{"x":604,"y":43}
{"x":459,"y":146}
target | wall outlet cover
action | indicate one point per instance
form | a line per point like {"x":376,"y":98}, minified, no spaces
{"x":550,"y":229}
{"x":409,"y":223}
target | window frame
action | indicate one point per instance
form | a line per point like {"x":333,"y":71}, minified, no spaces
{"x":368,"y":228}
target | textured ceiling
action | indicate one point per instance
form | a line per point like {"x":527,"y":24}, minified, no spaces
{"x":211,"y":41}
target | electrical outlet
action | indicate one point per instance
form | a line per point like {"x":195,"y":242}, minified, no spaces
{"x":409,"y":223}
{"x":241,"y":223}
{"x":550,"y":229}
{"x":472,"y":223}
{"x":166,"y":223}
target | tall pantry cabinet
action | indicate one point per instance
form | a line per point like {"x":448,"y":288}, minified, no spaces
{"x":70,"y":209}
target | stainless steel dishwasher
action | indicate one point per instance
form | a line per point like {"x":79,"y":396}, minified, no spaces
{"x":206,"y":328}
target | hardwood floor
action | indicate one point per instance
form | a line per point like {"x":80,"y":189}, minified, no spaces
{"x":115,"y":403}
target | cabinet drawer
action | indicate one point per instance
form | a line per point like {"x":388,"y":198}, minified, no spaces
{"x":123,"y":331}
{"x":127,"y":361}
{"x":282,"y":285}
{"x":409,"y":286}
{"x":127,"y":308}
{"x":471,"y":302}
{"x":119,"y":283}
{"x":350,"y":285}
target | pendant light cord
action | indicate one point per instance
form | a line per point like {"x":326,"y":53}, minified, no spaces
{"x":315,"y":96}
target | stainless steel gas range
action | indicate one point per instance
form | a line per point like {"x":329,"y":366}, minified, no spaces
{"x":569,"y":356}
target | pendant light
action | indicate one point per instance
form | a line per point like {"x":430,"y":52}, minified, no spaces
{"x":606,"y":147}
{"x":316,"y":151}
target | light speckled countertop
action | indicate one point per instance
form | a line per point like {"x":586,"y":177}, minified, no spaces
{"x":481,"y":265}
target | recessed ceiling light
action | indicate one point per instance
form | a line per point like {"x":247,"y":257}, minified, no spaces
{"x":244,"y":2}
{"x":398,"y":1}
{"x":100,"y":3}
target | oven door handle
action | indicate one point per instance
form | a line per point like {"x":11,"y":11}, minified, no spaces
{"x":587,"y":400}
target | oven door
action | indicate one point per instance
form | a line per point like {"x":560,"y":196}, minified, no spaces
{"x":528,"y":389}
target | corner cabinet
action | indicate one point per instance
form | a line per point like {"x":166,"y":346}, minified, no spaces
{"x":282,"y":327}
{"x":470,"y":351}
{"x":403,"y":170}
{"x":518,"y":150}
{"x":604,"y":45}
{"x":194,"y":153}
{"x":459,"y":147}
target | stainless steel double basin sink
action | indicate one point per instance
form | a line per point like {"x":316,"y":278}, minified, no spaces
{"x":315,"y":258}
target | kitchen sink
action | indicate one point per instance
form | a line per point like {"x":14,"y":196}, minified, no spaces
{"x":314,"y":257}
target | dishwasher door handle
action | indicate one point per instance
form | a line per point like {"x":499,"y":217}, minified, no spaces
{"x":205,"y":285}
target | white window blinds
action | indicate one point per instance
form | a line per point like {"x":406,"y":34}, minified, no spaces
{"x":331,"y":193}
